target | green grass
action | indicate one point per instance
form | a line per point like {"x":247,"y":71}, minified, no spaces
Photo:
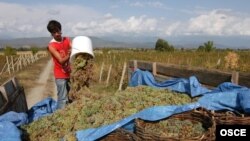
{"x":207,"y":60}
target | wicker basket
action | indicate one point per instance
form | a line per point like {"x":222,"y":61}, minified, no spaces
{"x":194,"y":116}
{"x":230,"y":118}
{"x":120,"y":135}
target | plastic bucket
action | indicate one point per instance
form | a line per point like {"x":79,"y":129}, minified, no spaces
{"x":81,"y":44}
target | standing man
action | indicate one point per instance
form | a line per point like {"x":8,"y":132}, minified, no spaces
{"x":60,"y":49}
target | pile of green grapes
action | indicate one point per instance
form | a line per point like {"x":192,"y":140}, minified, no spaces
{"x":175,"y":128}
{"x":81,"y":76}
{"x":95,"y":110}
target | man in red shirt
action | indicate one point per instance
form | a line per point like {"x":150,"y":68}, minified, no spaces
{"x":60,"y":49}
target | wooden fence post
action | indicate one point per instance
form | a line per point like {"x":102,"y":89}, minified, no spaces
{"x":107,"y":81}
{"x":8,"y":64}
{"x":3,"y":68}
{"x":20,"y":62}
{"x":24,"y":60}
{"x":135,"y":64}
{"x":123,"y":73}
{"x":235,"y":77}
{"x":100,"y":78}
{"x":12,"y":64}
{"x":154,"y":68}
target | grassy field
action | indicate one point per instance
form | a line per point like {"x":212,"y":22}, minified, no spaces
{"x":220,"y":60}
{"x":117,"y":58}
{"x":210,"y":60}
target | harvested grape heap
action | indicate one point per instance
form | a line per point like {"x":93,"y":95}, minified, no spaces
{"x":95,"y":110}
{"x":81,"y":76}
{"x":176,"y":128}
{"x":90,"y":109}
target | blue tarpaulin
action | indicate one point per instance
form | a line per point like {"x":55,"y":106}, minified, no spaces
{"x":190,"y":86}
{"x":9,"y":131}
{"x":226,"y":96}
{"x":9,"y":123}
{"x":14,"y":117}
{"x":42,"y":108}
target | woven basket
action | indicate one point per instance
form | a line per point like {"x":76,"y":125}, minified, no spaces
{"x":194,"y":116}
{"x":120,"y":135}
{"x":230,"y":118}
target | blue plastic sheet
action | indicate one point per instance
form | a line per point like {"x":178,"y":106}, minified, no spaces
{"x":42,"y":108}
{"x":228,"y":87}
{"x":16,"y":118}
{"x":226,"y":96}
{"x":190,"y":86}
{"x":244,"y":98}
{"x":9,"y":132}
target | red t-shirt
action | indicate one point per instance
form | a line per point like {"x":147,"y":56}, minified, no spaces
{"x":61,"y":71}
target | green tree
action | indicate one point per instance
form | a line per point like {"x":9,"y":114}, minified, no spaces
{"x":162,"y":45}
{"x":201,"y":49}
{"x":207,"y":47}
{"x":8,"y":50}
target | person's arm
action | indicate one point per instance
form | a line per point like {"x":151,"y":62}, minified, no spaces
{"x":56,"y":54}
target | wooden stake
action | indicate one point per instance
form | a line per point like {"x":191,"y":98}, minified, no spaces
{"x":20,"y":62}
{"x":4,"y":67}
{"x":235,"y":77}
{"x":123,"y":73}
{"x":7,"y":59}
{"x":154,"y":68}
{"x":12,"y":64}
{"x":107,"y":81}
{"x":100,"y":78}
{"x":135,"y":64}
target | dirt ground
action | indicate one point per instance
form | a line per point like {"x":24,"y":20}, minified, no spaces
{"x":45,"y":86}
{"x":38,"y":81}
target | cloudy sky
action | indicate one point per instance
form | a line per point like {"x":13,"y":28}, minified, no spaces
{"x":161,"y":18}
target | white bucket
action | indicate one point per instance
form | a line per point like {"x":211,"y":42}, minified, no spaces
{"x":81,"y":44}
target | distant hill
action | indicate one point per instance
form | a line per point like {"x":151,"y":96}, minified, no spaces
{"x":25,"y":42}
{"x":97,"y":43}
{"x":235,"y":42}
{"x":221,"y":42}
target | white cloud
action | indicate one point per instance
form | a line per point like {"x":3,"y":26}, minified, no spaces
{"x":108,"y":16}
{"x":111,"y":25}
{"x":137,"y":4}
{"x":30,"y":21}
{"x":244,"y":27}
{"x":172,"y":28}
{"x":155,"y":4}
{"x":17,"y":19}
{"x":219,"y":22}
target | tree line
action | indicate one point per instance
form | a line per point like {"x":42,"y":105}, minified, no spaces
{"x":163,"y":45}
{"x":8,"y":50}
